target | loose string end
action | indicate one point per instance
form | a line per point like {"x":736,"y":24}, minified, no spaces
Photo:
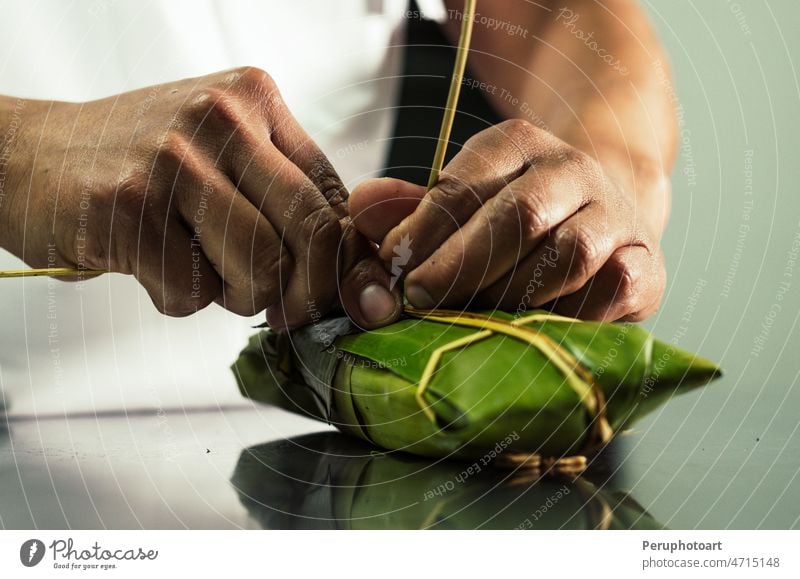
{"x":52,"y":272}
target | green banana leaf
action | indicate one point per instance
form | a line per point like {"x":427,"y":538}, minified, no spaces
{"x":327,"y":480}
{"x":491,"y":397}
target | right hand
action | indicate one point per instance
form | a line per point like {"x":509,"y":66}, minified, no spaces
{"x":206,"y":189}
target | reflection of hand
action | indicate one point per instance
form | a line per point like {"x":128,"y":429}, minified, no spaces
{"x":517,"y":220}
{"x":205,"y":189}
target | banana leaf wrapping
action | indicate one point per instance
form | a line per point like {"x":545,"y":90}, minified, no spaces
{"x":471,"y":385}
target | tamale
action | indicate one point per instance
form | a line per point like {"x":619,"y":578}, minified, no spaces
{"x":483,"y":386}
{"x":530,"y":389}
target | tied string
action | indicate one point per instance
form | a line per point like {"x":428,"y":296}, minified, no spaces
{"x":528,"y":468}
{"x":577,"y":376}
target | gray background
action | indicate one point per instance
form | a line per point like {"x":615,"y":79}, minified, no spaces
{"x":728,"y":455}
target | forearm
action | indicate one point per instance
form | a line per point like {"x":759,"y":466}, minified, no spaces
{"x":11,"y":118}
{"x":592,"y":74}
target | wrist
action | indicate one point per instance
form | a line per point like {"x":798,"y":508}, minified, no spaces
{"x":13,"y":113}
{"x":18,"y":121}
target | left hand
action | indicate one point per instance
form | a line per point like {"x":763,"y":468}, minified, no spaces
{"x":518,"y":220}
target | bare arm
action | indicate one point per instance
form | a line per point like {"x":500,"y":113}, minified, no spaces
{"x":205,"y":189}
{"x":563,"y":204}
{"x":593,"y":73}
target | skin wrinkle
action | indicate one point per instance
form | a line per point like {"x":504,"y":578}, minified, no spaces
{"x":601,"y":147}
{"x":149,"y":155}
{"x":601,"y":139}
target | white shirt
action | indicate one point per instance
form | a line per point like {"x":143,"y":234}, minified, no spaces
{"x":101,"y":344}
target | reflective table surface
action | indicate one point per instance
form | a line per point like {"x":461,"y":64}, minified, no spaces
{"x":258,"y":467}
{"x":725,"y":456}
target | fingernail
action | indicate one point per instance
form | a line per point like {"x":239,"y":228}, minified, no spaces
{"x":376,"y":303}
{"x":419,"y":297}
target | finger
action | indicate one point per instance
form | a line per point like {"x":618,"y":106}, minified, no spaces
{"x":564,"y":261}
{"x":249,"y":110}
{"x":629,"y":286}
{"x":237,"y":239}
{"x":305,"y":224}
{"x":306,"y":216}
{"x":379,"y":205}
{"x":487,"y":163}
{"x":509,"y":226}
{"x":173,"y":270}
{"x":291,"y":139}
{"x":366,"y":291}
{"x":369,"y":294}
{"x":238,"y":122}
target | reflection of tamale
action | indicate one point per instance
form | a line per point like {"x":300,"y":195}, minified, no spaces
{"x":442,"y":383}
{"x":326,"y":480}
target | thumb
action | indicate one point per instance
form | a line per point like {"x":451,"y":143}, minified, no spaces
{"x":368,"y":293}
{"x":379,"y":205}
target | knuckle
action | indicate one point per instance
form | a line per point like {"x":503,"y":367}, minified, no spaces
{"x":325,"y":178}
{"x":322,"y":228}
{"x":135,"y":218}
{"x":626,"y":292}
{"x":201,"y":301}
{"x":523,"y":135}
{"x":517,"y":129}
{"x":175,"y":148}
{"x":453,"y":198}
{"x":130,"y":197}
{"x":253,"y":77}
{"x":585,"y":253}
{"x":584,"y":168}
{"x":266,"y":264}
{"x":266,"y":279}
{"x":258,"y":88}
{"x":241,"y":303}
{"x":177,"y":298}
{"x":532,"y":212}
{"x":175,"y":305}
{"x":577,"y":160}
{"x":531,"y":142}
{"x":242,"y":308}
{"x":267,"y":283}
{"x":215,"y":106}
{"x":448,"y":191}
{"x":640,"y":309}
{"x":224,"y":113}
